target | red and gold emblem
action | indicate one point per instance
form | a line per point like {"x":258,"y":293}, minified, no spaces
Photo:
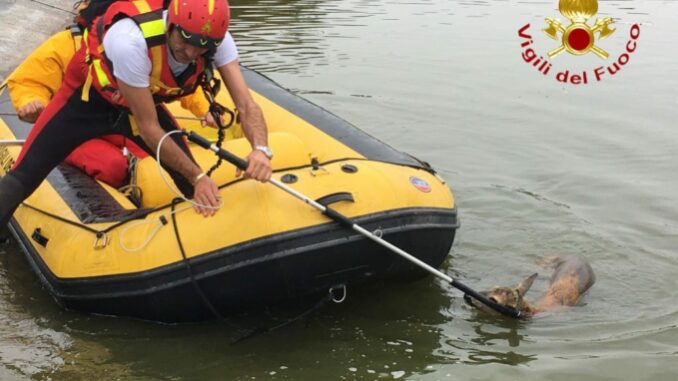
{"x":206,"y":29}
{"x":578,"y":38}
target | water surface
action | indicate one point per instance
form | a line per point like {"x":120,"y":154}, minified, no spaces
{"x":538,"y":168}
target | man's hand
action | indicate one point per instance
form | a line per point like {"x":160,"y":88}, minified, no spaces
{"x":208,"y":120}
{"x":206,"y":193}
{"x":252,"y":120}
{"x":258,"y":167}
{"x":30,"y":111}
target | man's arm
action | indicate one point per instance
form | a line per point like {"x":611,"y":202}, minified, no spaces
{"x":140,"y":102}
{"x":33,"y":84}
{"x":252,"y":119}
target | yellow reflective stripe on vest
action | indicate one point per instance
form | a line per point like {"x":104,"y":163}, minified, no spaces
{"x":156,"y":85}
{"x":157,"y":64}
{"x":85,"y":34}
{"x":101,"y":74}
{"x":86,"y":86}
{"x":152,"y":28}
{"x":142,"y":6}
{"x":88,"y":81}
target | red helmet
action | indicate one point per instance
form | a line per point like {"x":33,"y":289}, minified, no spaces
{"x":201,"y":23}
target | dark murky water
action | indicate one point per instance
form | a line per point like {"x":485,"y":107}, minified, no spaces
{"x":538,"y":167}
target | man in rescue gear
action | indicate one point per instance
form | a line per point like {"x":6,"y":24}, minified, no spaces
{"x":134,"y":57}
{"x":33,"y":84}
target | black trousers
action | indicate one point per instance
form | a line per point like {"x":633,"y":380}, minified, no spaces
{"x":66,"y":123}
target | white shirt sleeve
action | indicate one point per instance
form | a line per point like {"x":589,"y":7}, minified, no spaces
{"x":126,"y":48}
{"x":227,"y":52}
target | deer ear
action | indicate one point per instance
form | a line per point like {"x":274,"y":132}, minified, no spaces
{"x":525,"y":284}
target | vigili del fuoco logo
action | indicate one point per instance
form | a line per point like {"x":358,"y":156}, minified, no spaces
{"x":578,"y":38}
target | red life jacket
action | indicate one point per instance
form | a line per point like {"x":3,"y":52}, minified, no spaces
{"x":147,"y":14}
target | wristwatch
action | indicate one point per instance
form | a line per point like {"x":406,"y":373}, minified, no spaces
{"x":267,"y":151}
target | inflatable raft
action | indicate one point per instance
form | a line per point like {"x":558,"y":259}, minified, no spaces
{"x":97,"y":251}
